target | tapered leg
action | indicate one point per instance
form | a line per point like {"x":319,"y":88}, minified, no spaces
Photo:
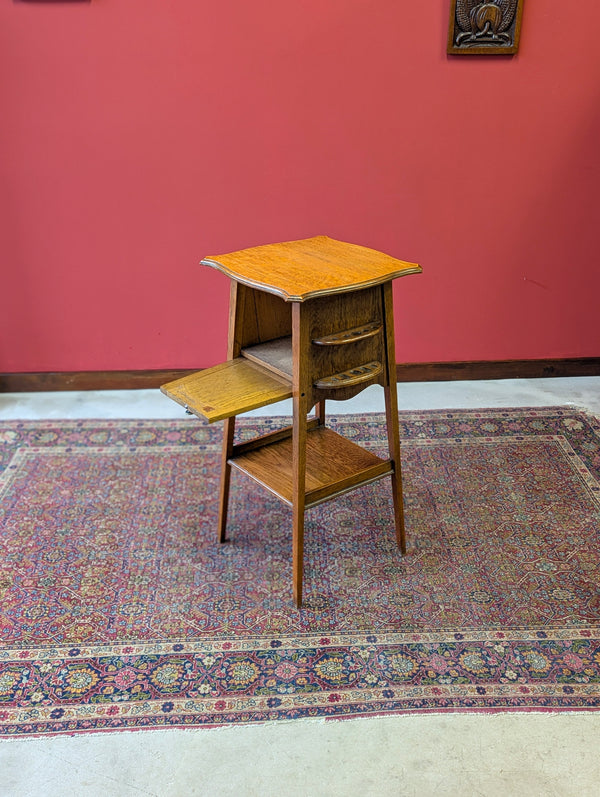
{"x":238,"y":298}
{"x":225,"y":477}
{"x":320,"y":412}
{"x":300,"y":344}
{"x":299,"y":462}
{"x":391,"y":416}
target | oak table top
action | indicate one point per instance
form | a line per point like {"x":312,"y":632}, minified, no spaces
{"x":301,"y":270}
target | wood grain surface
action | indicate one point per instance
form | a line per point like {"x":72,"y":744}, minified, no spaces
{"x":300,"y":270}
{"x":228,"y":389}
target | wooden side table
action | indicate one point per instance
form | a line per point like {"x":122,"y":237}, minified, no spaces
{"x":312,"y":320}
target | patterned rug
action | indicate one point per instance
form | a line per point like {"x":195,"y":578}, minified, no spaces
{"x":119,"y":609}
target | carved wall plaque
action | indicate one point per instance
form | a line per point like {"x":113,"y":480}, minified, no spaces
{"x":490,"y":27}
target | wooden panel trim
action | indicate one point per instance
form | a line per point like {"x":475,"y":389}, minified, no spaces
{"x":406,"y":372}
{"x":497,"y":369}
{"x":88,"y":380}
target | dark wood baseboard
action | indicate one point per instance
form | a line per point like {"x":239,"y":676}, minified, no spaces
{"x":406,"y":372}
{"x":87,"y":380}
{"x":497,"y":369}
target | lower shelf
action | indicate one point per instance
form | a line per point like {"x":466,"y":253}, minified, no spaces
{"x":334,"y":465}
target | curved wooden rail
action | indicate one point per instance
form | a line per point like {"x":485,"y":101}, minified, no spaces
{"x":353,"y":376}
{"x":350,"y":335}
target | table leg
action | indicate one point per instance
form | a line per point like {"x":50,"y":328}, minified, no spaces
{"x":298,"y":500}
{"x":391,"y":416}
{"x":320,"y":412}
{"x":300,"y":344}
{"x":228,"y":434}
{"x":238,"y":298}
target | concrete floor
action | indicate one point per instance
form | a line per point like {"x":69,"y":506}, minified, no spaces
{"x":531,"y":754}
{"x":581,"y":392}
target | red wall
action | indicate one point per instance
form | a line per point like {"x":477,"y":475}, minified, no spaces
{"x":138,"y":136}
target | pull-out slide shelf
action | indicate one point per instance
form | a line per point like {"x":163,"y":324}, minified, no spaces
{"x":230,"y":388}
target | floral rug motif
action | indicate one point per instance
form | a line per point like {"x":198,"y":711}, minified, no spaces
{"x":119,"y":609}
